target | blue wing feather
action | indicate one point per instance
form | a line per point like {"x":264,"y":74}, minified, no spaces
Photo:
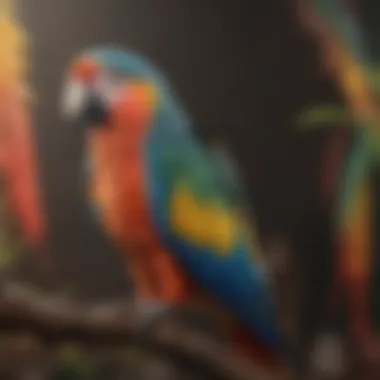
{"x":237,"y":280}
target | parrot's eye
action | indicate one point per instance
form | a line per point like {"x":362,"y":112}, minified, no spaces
{"x":108,"y":86}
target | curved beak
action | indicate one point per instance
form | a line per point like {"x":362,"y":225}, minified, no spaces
{"x":80,"y":102}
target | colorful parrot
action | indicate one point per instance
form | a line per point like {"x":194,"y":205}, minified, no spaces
{"x":347,"y":57}
{"x":22,"y":219}
{"x":175,"y":207}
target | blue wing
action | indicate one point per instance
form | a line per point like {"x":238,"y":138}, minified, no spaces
{"x":235,"y":277}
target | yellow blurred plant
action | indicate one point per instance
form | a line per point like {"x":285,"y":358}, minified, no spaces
{"x":13,"y":49}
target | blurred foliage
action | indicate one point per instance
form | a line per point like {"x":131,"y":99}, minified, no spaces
{"x":77,"y":362}
{"x":11,"y":243}
{"x":71,"y":363}
{"x":324,"y":115}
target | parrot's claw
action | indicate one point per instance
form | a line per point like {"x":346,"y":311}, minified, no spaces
{"x":153,"y":314}
{"x":150,"y":313}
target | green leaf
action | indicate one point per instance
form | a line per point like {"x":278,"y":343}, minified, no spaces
{"x":327,"y":116}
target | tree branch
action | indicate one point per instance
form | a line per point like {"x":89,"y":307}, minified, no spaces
{"x":57,"y":320}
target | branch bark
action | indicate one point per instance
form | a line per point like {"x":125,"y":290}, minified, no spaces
{"x":58,"y":320}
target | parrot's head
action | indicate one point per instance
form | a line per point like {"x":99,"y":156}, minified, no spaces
{"x":112,"y":88}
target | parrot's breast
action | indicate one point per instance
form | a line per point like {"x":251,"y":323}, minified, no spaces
{"x":117,"y":190}
{"x":117,"y":184}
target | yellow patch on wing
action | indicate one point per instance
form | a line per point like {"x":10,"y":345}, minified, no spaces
{"x":207,"y":224}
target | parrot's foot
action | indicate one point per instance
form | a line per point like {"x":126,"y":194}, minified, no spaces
{"x":145,"y":289}
{"x":159,"y":278}
{"x":202,"y":321}
{"x":151,"y":312}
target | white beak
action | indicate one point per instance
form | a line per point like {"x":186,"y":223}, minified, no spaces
{"x":74,"y":99}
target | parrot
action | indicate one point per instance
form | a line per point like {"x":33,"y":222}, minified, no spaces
{"x":347,"y":58}
{"x":22,"y":214}
{"x":174,"y":206}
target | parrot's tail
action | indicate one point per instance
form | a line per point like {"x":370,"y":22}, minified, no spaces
{"x":260,"y":355}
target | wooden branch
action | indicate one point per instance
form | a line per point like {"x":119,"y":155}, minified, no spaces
{"x":60,"y":319}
